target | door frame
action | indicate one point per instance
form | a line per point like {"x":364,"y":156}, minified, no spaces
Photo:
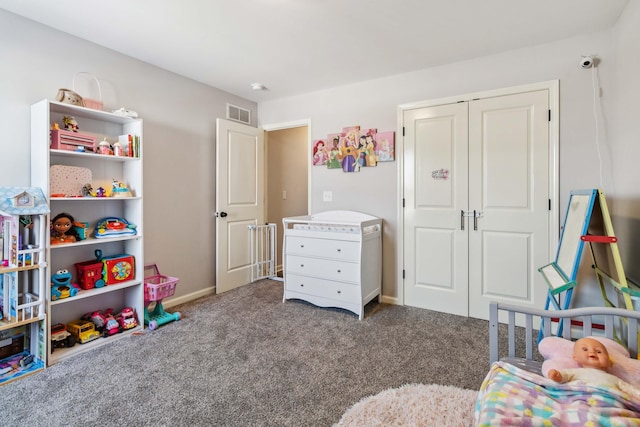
{"x":553,"y":86}
{"x":290,"y":125}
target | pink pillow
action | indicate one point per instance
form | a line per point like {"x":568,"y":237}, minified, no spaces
{"x":558,"y":354}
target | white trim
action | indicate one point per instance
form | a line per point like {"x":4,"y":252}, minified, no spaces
{"x":553,"y":86}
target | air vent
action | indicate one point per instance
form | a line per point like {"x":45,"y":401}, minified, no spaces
{"x":238,"y":114}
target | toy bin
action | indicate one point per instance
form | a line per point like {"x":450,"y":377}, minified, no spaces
{"x":89,"y":274}
{"x":157,"y":287}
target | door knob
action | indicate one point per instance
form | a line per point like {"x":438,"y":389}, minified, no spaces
{"x":221,"y":214}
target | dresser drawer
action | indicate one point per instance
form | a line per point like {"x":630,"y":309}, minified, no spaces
{"x":324,"y":288}
{"x":324,"y":268}
{"x":326,"y":248}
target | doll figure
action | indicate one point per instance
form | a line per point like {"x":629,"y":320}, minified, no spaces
{"x":372,"y":158}
{"x":320,"y":154}
{"x":62,"y":230}
{"x":594,"y":360}
{"x":334,"y":155}
{"x":362,"y":152}
{"x":348,"y":153}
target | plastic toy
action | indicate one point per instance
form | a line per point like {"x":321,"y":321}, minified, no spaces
{"x":62,"y":230}
{"x":127,"y":318}
{"x":114,"y":226}
{"x":156,"y":288}
{"x":104,"y":322}
{"x":60,"y":337}
{"x":118,"y":268}
{"x":90,"y":272}
{"x":61,"y":286}
{"x":83,"y":331}
{"x":118,"y":189}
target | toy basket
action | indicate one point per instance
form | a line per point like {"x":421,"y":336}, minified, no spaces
{"x":95,"y":104}
{"x":158,"y":286}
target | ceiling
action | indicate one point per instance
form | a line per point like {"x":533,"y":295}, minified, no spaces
{"x":299,"y":46}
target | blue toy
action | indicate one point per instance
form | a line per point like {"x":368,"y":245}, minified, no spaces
{"x":113,"y":226}
{"x":61,"y":286}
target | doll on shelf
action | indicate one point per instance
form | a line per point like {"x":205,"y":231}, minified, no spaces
{"x":62,"y":230}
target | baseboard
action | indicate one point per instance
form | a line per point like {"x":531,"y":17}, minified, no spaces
{"x":189,"y":297}
{"x":212,"y":290}
{"x":389,"y":300}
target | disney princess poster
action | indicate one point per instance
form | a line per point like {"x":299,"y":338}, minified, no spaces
{"x":320,"y":152}
{"x":333,"y":151}
{"x":385,"y":146}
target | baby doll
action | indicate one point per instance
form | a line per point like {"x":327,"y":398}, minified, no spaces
{"x":62,"y":230}
{"x":594,"y":360}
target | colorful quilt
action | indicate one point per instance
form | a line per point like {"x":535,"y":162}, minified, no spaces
{"x":510,"y":396}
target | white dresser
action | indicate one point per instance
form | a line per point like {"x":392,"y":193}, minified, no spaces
{"x":333,"y":259}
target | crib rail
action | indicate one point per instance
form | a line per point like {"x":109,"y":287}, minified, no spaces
{"x":618,"y":323}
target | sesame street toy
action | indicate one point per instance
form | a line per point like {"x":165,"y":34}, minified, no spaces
{"x":61,"y":286}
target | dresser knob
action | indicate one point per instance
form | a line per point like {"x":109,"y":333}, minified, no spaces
{"x":339,"y":292}
{"x":339,"y":250}
{"x":302,"y":285}
{"x":302,"y":246}
{"x":339,"y":271}
{"x":302,"y":265}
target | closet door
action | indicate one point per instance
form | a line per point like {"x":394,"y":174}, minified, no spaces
{"x":436,"y":195}
{"x":509,"y":190}
{"x":476,"y":203}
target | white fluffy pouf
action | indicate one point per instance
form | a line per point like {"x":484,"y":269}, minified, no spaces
{"x":413,"y":405}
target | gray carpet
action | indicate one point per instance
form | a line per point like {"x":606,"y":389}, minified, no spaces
{"x":244,"y":358}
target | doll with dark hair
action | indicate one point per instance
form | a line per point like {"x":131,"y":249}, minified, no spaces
{"x":62,"y":230}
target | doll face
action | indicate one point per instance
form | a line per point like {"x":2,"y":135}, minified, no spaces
{"x":590,"y":353}
{"x":62,"y":225}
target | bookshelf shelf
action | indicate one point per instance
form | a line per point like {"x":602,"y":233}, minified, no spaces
{"x":104,"y":169}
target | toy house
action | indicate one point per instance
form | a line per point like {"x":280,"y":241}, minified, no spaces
{"x":23,"y":222}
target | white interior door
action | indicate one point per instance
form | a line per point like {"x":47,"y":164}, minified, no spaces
{"x":436,"y":193}
{"x":239,"y":199}
{"x":477,"y":221}
{"x":509,"y":163}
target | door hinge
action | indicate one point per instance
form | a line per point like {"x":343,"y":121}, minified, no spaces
{"x":402,"y":130}
{"x":403,"y":274}
{"x":403,"y":205}
{"x":549,"y":115}
{"x":549,"y":204}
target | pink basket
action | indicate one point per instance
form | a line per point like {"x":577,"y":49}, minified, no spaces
{"x":158,"y":286}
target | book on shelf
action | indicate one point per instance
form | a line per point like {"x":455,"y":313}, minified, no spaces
{"x":130,"y":144}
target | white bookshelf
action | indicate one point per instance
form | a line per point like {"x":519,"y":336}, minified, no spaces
{"x":104,"y":168}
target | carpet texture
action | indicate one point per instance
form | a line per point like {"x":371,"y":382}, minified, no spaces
{"x":413,"y":405}
{"x":245,"y":358}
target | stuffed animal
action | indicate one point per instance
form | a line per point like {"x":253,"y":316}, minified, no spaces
{"x":67,"y":96}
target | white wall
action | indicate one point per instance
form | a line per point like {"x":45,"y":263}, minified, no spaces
{"x":179,"y":136}
{"x":374,"y":104}
{"x":180,"y":130}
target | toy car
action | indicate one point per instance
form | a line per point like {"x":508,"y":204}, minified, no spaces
{"x":111,"y":326}
{"x":60,"y":337}
{"x":83,"y":331}
{"x":104,"y":322}
{"x":127,"y":318}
